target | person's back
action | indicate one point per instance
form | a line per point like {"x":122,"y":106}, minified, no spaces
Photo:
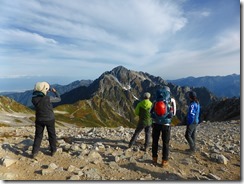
{"x":161,"y":111}
{"x":143,"y":111}
{"x":193,"y":113}
{"x":43,"y":107}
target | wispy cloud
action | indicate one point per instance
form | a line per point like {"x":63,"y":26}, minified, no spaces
{"x":205,"y":13}
{"x":74,"y":38}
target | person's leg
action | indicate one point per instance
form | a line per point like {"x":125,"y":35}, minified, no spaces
{"x":188,"y":135}
{"x":38,"y":138}
{"x":193,"y":137}
{"x":166,"y":131}
{"x":155,"y":137}
{"x":147,"y":136}
{"x":51,"y":135}
{"x":138,"y":130}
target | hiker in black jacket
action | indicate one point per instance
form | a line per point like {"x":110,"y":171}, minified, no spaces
{"x":44,"y":116}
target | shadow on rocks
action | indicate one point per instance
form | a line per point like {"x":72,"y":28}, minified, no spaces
{"x":106,"y":142}
{"x":22,"y":148}
{"x":156,"y":175}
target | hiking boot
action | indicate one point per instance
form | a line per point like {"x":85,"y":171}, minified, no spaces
{"x":146,"y":149}
{"x":130,"y":145}
{"x":53,"y":153}
{"x":154,"y":160}
{"x":165,"y":163}
{"x":34,"y":155}
{"x":191,"y":151}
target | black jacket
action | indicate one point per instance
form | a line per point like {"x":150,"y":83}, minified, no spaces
{"x":43,"y":105}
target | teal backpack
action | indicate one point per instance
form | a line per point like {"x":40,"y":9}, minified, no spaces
{"x":161,"y":111}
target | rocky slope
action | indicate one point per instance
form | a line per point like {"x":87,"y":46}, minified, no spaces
{"x":102,"y":154}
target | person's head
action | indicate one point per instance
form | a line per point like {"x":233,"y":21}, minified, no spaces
{"x":192,"y":95}
{"x":147,"y":95}
{"x":42,"y":87}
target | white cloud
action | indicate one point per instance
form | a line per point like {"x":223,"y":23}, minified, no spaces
{"x":228,"y":42}
{"x":16,"y":36}
{"x":205,"y":13}
{"x":77,"y":37}
{"x":220,"y":59}
{"x":127,"y":29}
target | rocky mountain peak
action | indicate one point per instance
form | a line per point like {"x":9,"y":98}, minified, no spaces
{"x":114,"y":95}
{"x":119,"y":70}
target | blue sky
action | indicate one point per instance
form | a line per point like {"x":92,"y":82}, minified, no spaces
{"x":62,"y":41}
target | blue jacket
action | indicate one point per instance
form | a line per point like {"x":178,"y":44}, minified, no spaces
{"x":193,"y":113}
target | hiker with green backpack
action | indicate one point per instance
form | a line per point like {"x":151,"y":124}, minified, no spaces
{"x":143,"y":111}
{"x":162,"y":112}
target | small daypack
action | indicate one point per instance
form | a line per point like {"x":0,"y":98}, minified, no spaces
{"x":160,"y":108}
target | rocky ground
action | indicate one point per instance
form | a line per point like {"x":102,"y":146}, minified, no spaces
{"x":102,"y":154}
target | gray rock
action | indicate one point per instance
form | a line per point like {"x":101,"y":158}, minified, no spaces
{"x":74,"y":177}
{"x":92,"y":174}
{"x":6,"y":161}
{"x":222,"y":159}
{"x":72,"y":168}
{"x":52,"y":166}
{"x":94,"y":156}
{"x":47,"y":171}
{"x":212,"y":176}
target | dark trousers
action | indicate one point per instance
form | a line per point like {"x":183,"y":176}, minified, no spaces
{"x":40,"y":126}
{"x":138,"y":130}
{"x":190,"y":135}
{"x":157,"y":129}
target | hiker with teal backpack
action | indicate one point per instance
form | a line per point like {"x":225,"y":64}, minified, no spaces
{"x":193,"y":115}
{"x":143,"y":111}
{"x":162,"y":112}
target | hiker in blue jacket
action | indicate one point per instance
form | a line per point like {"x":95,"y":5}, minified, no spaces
{"x":192,"y":121}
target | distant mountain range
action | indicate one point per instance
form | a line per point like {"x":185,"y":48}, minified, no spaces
{"x":110,"y":100}
{"x":221,"y":86}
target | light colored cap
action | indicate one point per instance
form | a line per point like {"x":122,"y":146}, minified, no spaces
{"x":147,"y":95}
{"x":42,"y":87}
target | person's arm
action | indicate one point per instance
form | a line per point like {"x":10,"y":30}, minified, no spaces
{"x":199,"y":119}
{"x":137,"y":109}
{"x":57,"y":97}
